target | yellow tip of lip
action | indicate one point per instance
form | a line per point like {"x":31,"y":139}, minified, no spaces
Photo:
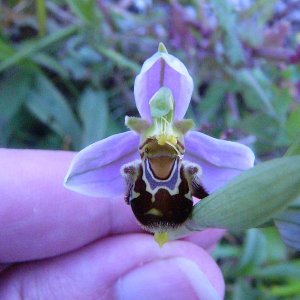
{"x":161,"y":238}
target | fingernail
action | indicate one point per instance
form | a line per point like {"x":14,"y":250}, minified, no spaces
{"x":174,"y":278}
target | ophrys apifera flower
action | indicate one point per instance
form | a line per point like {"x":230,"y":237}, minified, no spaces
{"x":163,"y":162}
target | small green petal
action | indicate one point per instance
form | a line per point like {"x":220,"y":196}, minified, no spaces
{"x":136,"y":124}
{"x":184,"y":125}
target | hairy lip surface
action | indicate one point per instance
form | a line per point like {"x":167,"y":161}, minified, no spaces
{"x":162,"y":156}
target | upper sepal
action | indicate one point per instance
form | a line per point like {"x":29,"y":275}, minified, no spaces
{"x":163,"y":70}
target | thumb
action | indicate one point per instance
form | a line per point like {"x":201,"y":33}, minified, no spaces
{"x":172,"y":278}
{"x":121,"y":267}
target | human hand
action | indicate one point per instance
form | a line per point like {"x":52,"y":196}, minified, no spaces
{"x":57,"y":244}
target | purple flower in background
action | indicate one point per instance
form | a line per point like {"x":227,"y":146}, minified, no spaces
{"x":164,"y":163}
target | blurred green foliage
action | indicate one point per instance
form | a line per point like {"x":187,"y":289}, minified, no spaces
{"x":67,"y":71}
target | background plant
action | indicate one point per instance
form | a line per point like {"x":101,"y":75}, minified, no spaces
{"x":67,"y":72}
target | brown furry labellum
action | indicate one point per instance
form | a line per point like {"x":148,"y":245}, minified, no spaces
{"x":160,"y":186}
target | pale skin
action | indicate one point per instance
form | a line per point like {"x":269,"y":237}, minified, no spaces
{"x":57,"y":244}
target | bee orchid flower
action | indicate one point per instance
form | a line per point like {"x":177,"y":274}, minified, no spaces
{"x":163,"y":163}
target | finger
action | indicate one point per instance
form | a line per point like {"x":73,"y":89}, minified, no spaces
{"x":120,"y":267}
{"x":206,"y":239}
{"x":3,"y":267}
{"x":40,"y":218}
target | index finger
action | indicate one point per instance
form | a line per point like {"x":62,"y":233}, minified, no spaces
{"x":40,"y":218}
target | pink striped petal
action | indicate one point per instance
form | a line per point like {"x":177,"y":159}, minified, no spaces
{"x":220,"y":160}
{"x":95,"y":171}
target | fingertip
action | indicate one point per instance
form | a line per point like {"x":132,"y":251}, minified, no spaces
{"x":121,"y":267}
{"x":173,"y":278}
{"x":139,"y":250}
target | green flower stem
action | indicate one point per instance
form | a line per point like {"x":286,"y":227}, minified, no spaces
{"x":41,"y":16}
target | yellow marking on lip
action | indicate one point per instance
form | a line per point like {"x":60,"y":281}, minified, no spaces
{"x":155,"y":212}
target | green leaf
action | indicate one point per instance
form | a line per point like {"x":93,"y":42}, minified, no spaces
{"x":260,"y":248}
{"x":233,"y":48}
{"x":253,"y":250}
{"x":288,"y":224}
{"x":84,"y":9}
{"x":41,"y":16}
{"x":265,"y":129}
{"x":93,"y":111}
{"x":293,"y":124}
{"x":275,"y":248}
{"x":50,"y":63}
{"x":257,"y":88}
{"x":226,"y":251}
{"x":248,"y":200}
{"x":265,"y":9}
{"x":50,"y":107}
{"x":227,"y":21}
{"x":288,"y":221}
{"x":251,"y":32}
{"x":281,"y":102}
{"x":12,"y":96}
{"x":114,"y":127}
{"x":28,"y":49}
{"x":287,"y":291}
{"x":212,"y":100}
{"x":284,"y":270}
{"x":294,"y":149}
{"x":243,"y":291}
{"x":118,"y":59}
{"x":5,"y":49}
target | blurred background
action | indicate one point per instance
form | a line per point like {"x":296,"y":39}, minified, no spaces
{"x":67,"y":70}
